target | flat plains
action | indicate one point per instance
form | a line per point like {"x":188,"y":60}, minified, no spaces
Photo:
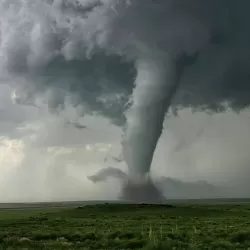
{"x":186,"y":224}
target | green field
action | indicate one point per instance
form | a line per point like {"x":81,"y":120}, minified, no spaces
{"x":127,"y":227}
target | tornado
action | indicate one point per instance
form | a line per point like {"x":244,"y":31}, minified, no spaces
{"x":155,"y":85}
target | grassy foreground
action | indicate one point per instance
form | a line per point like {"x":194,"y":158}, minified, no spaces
{"x":128,"y":227}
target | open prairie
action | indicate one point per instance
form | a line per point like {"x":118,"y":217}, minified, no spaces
{"x":183,"y":225}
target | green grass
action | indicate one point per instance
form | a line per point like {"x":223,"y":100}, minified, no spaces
{"x":128,"y":227}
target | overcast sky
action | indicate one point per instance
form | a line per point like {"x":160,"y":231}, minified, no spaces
{"x":42,"y":157}
{"x":86,"y":53}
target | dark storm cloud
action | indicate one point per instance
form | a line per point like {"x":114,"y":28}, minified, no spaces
{"x":87,"y":49}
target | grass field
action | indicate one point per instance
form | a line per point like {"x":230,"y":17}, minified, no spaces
{"x":127,"y":227}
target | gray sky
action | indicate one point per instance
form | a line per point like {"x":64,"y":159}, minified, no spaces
{"x":49,"y":160}
{"x":59,"y":52}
